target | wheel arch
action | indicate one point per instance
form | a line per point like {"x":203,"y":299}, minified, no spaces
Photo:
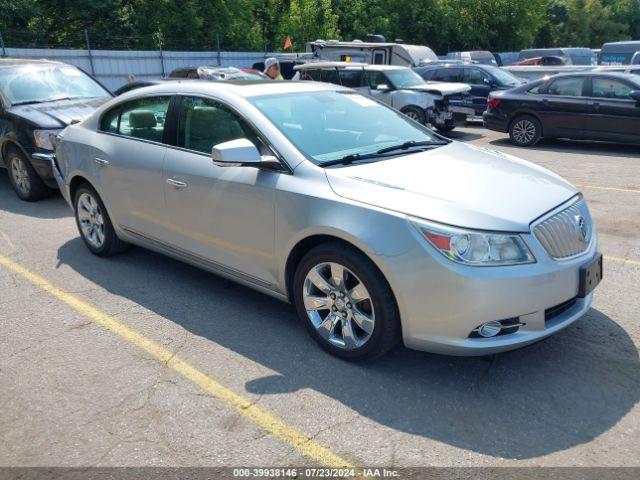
{"x":309,"y":242}
{"x":9,"y":144}
{"x":75,"y":183}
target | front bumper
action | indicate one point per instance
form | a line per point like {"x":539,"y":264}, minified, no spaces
{"x":441,"y":302}
{"x":57,"y":175}
{"x":42,"y":163}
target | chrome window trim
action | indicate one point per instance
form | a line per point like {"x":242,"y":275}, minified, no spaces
{"x":286,"y":167}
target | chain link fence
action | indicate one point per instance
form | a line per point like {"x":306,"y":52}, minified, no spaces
{"x":113,"y":67}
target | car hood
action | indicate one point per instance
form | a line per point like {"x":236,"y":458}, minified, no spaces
{"x":458,"y":184}
{"x":442,"y":88}
{"x":58,"y":114}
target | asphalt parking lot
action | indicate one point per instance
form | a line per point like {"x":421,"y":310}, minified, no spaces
{"x":78,"y":390}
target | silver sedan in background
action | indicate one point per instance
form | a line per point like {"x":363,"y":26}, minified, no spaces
{"x":377,"y":229}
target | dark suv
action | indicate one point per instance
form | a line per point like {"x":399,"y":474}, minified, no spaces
{"x":483,"y":79}
{"x":39,"y":98}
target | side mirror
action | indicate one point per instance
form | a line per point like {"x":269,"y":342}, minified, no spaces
{"x":242,"y":153}
{"x":635,"y":94}
{"x":383,"y":87}
{"x":236,"y":153}
{"x":491,"y":83}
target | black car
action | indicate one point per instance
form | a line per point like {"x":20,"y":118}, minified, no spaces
{"x":585,"y":106}
{"x":483,"y":79}
{"x":127,"y":87}
{"x":39,"y":98}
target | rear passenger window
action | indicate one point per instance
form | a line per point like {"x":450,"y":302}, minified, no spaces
{"x":330,"y":76}
{"x":204,"y":123}
{"x":351,"y":78}
{"x":568,"y":87}
{"x":448,"y":75}
{"x":473,"y":76}
{"x":143,"y":118}
{"x":610,"y":88}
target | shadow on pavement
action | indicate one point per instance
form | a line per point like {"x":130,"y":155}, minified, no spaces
{"x":51,"y":207}
{"x":462,"y":136}
{"x":582,"y":147}
{"x":548,"y":397}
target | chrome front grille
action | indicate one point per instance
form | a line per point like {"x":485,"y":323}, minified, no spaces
{"x":568,"y":232}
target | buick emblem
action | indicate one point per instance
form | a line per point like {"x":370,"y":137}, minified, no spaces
{"x":582,"y":227}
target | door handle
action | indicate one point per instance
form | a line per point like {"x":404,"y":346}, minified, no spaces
{"x":176,"y":183}
{"x":596,"y":104}
{"x":101,"y":161}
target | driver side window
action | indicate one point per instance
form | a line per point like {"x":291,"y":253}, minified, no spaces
{"x":203,"y":123}
{"x":376,"y":78}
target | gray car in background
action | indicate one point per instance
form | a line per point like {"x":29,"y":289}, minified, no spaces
{"x":442,"y":104}
{"x":375,"y":228}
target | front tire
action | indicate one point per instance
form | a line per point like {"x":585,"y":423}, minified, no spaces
{"x":94,"y":223}
{"x":346,"y":303}
{"x":24,"y":179}
{"x":416,"y":114}
{"x":525,"y":131}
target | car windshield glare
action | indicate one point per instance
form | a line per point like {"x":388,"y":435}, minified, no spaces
{"x":34,"y":83}
{"x":404,"y":78}
{"x":330,"y":125}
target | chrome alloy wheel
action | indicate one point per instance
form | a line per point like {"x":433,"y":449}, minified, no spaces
{"x":20,"y":175}
{"x":90,"y":220}
{"x":524,"y":131}
{"x":338,"y":305}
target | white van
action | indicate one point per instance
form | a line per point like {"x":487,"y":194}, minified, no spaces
{"x":373,"y":53}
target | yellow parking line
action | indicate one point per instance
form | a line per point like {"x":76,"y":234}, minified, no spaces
{"x":265,"y":420}
{"x":622,"y":260}
{"x":613,"y":189}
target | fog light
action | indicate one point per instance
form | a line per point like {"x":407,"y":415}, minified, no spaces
{"x":489,"y":329}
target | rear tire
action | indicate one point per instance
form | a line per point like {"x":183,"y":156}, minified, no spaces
{"x":353,"y":314}
{"x":94,"y":223}
{"x":525,"y":131}
{"x":416,"y":114}
{"x":24,"y":179}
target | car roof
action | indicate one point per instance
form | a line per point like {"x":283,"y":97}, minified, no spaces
{"x":347,"y":65}
{"x":453,"y":64}
{"x":241,"y":88}
{"x":14,"y":62}
{"x":594,"y":73}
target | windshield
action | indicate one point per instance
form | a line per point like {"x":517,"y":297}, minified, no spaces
{"x":503,"y":77}
{"x":328,"y":125}
{"x":404,"y":78}
{"x":35,"y":83}
{"x":583,"y":59}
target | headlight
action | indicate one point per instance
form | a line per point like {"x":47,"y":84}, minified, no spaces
{"x":41,"y":137}
{"x":476,"y":248}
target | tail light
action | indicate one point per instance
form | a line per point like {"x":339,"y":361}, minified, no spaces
{"x":493,"y":102}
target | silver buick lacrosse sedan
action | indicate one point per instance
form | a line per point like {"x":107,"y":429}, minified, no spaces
{"x":376,"y":229}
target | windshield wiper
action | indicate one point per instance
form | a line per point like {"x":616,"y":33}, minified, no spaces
{"x":348,"y":159}
{"x":384,"y":152}
{"x":411,"y":143}
{"x":30,"y":102}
